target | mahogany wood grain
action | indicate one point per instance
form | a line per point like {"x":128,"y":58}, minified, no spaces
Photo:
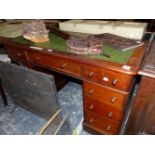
{"x":103,"y":109}
{"x":16,"y":53}
{"x":101,"y":124}
{"x":56,"y":62}
{"x":108,"y":78}
{"x":105,"y":94}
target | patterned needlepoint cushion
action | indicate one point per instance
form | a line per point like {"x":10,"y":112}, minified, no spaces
{"x":84,"y":45}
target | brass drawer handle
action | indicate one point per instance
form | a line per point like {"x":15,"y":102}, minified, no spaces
{"x":113,"y":100}
{"x":110,"y":114}
{"x":114,"y":82}
{"x":91,"y":120}
{"x":90,"y":74}
{"x":63,"y":66}
{"x":19,"y":54}
{"x":91,"y":92}
{"x":91,"y":106}
{"x":37,"y":58}
{"x":108,"y":127}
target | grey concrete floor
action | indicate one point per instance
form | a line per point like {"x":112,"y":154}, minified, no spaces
{"x":17,"y":121}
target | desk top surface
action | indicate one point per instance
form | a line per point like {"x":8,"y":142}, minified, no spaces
{"x":131,"y":58}
{"x":59,"y":44}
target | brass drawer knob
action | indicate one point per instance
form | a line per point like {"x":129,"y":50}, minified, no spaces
{"x":63,"y":66}
{"x":91,"y":92}
{"x":91,"y":120}
{"x":113,"y":100}
{"x":91,"y":106}
{"x":19,"y":54}
{"x":110,"y":114}
{"x":90,"y":74}
{"x":114,"y":82}
{"x":108,"y":127}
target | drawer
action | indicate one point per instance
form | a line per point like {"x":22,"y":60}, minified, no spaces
{"x":42,"y":59}
{"x":100,"y":124}
{"x":55,"y":62}
{"x":105,"y":95}
{"x":91,"y":73}
{"x":102,"y":109}
{"x":109,"y":78}
{"x":69,"y":66}
{"x":18,"y":54}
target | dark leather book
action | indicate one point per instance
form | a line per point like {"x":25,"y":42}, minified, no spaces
{"x":118,"y":42}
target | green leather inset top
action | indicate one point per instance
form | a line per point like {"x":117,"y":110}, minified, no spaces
{"x":59,"y":44}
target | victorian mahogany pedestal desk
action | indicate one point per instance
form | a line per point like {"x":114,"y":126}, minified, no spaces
{"x":107,"y":82}
{"x":141,"y":119}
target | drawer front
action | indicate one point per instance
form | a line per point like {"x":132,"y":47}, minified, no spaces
{"x":18,"y":54}
{"x":91,"y":73}
{"x":60,"y":64}
{"x":102,"y":109}
{"x":42,"y":59}
{"x":101,"y":124}
{"x":109,"y":78}
{"x":104,"y":95}
{"x":69,"y":66}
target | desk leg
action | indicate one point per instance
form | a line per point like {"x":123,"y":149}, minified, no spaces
{"x":2,"y":93}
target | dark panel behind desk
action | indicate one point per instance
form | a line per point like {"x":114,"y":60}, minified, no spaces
{"x":29,"y":89}
{"x":142,"y":116}
{"x":60,"y":80}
